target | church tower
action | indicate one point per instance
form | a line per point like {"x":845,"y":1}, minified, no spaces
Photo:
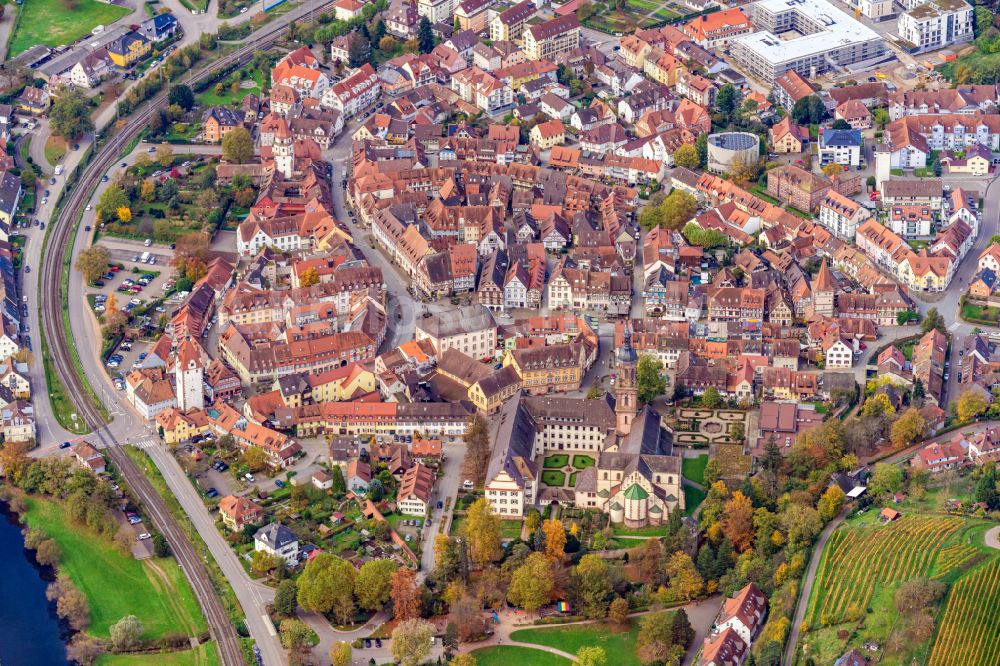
{"x":283,"y":150}
{"x":626,"y":391}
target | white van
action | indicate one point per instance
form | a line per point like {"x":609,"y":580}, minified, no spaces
{"x":144,"y":258}
{"x":59,"y":169}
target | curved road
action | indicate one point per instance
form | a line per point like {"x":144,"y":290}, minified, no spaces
{"x":50,"y":283}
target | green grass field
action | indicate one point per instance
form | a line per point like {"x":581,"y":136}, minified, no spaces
{"x":505,"y":655}
{"x":204,"y":655}
{"x":209,"y":97}
{"x":693,"y":469}
{"x":618,"y":645}
{"x":116,"y":585}
{"x":692,"y":499}
{"x":50,"y":22}
{"x":55,"y":150}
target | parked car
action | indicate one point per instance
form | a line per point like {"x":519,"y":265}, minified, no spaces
{"x":65,"y":445}
{"x":279,"y":483}
{"x":249,"y":477}
{"x":144,"y":536}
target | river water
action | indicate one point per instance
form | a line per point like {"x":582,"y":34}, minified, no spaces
{"x":30,"y":631}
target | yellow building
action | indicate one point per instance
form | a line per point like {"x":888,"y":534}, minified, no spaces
{"x":489,"y":394}
{"x":129,"y":49}
{"x":548,"y":134}
{"x":175,"y":426}
{"x":550,"y":369}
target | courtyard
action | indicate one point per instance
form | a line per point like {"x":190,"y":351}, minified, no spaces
{"x":701,"y":428}
{"x":560,"y":470}
{"x":614,"y":17}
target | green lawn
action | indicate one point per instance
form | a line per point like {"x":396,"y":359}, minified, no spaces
{"x":692,"y":499}
{"x":572,"y":479}
{"x":505,"y":655}
{"x":510,"y":529}
{"x":651,"y":530}
{"x":49,"y":22}
{"x":204,"y":655}
{"x":554,"y":477}
{"x":618,"y":645}
{"x":209,"y":97}
{"x":980,"y":312}
{"x":693,"y":469}
{"x":556,"y":461}
{"x":55,"y":150}
{"x":116,"y":585}
{"x":583,"y":462}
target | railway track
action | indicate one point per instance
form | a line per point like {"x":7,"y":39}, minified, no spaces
{"x":59,"y":339}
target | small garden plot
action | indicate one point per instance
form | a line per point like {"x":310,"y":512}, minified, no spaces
{"x":557,"y":461}
{"x":583,"y":462}
{"x":552,"y":477}
{"x":572,"y":479}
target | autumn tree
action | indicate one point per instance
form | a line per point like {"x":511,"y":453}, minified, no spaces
{"x":373,"y":583}
{"x":618,"y":612}
{"x":93,"y":262}
{"x":593,"y":585}
{"x":327,"y":585}
{"x":649,"y":379}
{"x":309,"y":278}
{"x":655,"y":644}
{"x":532,"y":583}
{"x":262,"y":563}
{"x":165,"y":155}
{"x":877,"y":405}
{"x":933,"y":321}
{"x":676,"y":209}
{"x":14,"y":461}
{"x":833,"y":169}
{"x":970,"y":405}
{"x":190,"y":247}
{"x":744,"y":171}
{"x":591,"y":656}
{"x":237,"y":146}
{"x":405,"y":594}
{"x":111,"y":199}
{"x":69,"y":116}
{"x":477,"y":446}
{"x":737,"y":521}
{"x":147,"y":190}
{"x":341,"y":654}
{"x":411,"y":642}
{"x":831,"y":503}
{"x":125,"y":634}
{"x":886,"y":479}
{"x":555,"y":539}
{"x":255,"y":458}
{"x":464,"y":659}
{"x":482,"y":530}
{"x":908,"y":428}
{"x":687,"y":156}
{"x":685,"y":580}
{"x":711,"y":398}
{"x":466,"y":614}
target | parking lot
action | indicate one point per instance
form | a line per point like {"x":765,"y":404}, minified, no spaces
{"x":134,"y":285}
